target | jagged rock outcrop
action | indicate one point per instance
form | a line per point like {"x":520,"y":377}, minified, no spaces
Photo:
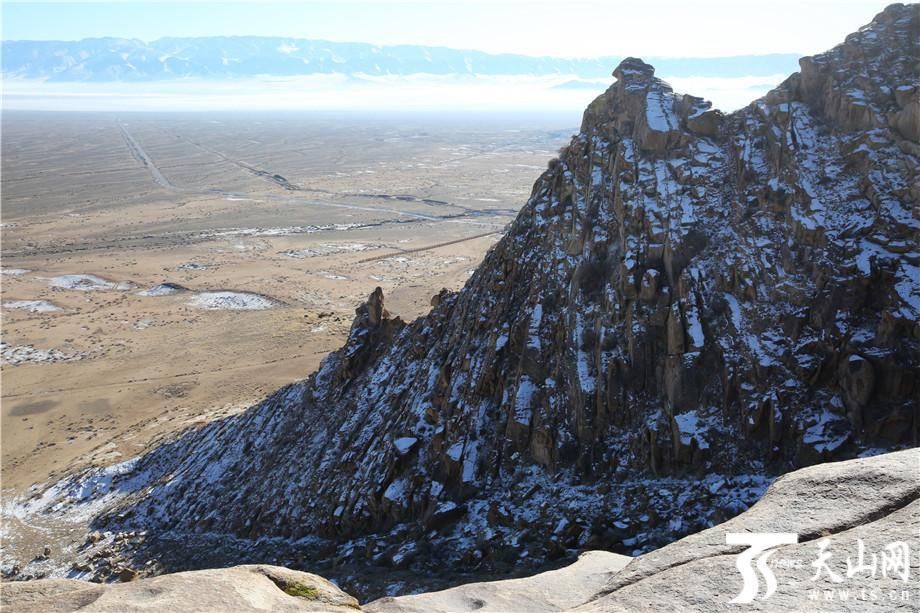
{"x":685,"y":293}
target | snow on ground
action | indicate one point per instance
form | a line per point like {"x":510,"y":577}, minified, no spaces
{"x":24,"y":354}
{"x":523,"y":401}
{"x":735,"y":309}
{"x":691,"y":427}
{"x":396,"y":491}
{"x":233,"y":301}
{"x":81,"y":497}
{"x":87,"y":283}
{"x":15,"y":272}
{"x":329,"y":249}
{"x":405,"y":444}
{"x":827,"y":432}
{"x":32,"y":306}
{"x":908,"y":286}
{"x":285,"y":231}
{"x":658,"y":113}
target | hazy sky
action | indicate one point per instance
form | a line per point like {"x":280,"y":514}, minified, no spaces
{"x":569,"y":28}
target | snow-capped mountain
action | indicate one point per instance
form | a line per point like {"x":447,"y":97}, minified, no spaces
{"x":688,"y":304}
{"x":117,"y":59}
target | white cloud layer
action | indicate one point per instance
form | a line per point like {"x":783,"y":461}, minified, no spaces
{"x":336,"y":92}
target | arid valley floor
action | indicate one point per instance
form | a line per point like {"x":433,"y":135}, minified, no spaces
{"x":267,"y":231}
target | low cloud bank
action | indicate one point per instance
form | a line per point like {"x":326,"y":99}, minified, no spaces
{"x":361,"y":93}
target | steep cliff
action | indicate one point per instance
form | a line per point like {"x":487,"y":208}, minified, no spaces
{"x":688,"y":303}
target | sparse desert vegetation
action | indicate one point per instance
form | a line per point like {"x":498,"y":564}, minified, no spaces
{"x":160,"y":268}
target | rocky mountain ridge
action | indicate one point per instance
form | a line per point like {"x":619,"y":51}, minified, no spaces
{"x":689,"y":304}
{"x":130,"y":60}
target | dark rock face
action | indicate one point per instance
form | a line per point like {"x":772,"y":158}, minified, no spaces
{"x":684,"y":293}
{"x":836,"y":504}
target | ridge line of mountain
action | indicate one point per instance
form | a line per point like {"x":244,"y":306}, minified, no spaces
{"x":115,"y":59}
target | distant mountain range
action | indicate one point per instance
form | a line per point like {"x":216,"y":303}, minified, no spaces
{"x":119,"y":59}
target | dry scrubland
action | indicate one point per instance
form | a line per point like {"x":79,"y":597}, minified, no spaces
{"x":274,"y":227}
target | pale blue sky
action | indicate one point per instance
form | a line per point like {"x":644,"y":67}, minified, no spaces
{"x":574,"y":28}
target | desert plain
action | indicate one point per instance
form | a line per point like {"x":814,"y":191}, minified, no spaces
{"x":162,"y":270}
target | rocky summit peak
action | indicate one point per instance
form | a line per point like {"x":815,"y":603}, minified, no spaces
{"x":371,"y":331}
{"x":634,"y":69}
{"x":646,"y":108}
{"x":373,"y":312}
{"x":688,"y":304}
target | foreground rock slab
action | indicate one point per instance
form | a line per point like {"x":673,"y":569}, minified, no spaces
{"x":868,"y":505}
{"x":239,"y":589}
{"x":554,"y":590}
